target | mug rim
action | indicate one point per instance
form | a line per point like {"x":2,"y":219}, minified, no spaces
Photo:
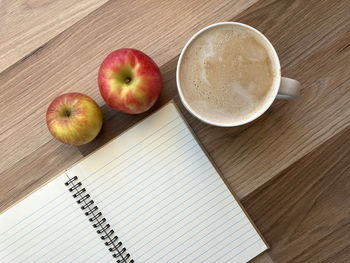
{"x":262,"y":110}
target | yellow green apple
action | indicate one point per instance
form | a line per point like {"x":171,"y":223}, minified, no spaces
{"x":74,"y":118}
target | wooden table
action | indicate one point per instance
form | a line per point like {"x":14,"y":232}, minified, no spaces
{"x":290,"y":168}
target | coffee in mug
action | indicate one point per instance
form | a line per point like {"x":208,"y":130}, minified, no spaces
{"x":228,"y":74}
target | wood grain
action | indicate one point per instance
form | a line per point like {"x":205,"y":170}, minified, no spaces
{"x":26,"y":25}
{"x":304,"y":212}
{"x":290,"y":167}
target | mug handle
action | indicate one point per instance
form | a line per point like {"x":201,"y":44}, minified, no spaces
{"x":289,"y":89}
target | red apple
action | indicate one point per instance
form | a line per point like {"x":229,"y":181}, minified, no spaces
{"x":74,"y":118}
{"x":129,"y":81}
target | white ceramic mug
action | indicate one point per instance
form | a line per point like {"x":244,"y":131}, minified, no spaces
{"x":283,"y":88}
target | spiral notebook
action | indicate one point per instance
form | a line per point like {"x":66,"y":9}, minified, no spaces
{"x":149,"y":195}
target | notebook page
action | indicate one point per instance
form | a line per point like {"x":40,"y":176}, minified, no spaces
{"x":164,"y":198}
{"x":48,"y":226}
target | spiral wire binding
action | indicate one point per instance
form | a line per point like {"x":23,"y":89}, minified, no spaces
{"x":99,"y":222}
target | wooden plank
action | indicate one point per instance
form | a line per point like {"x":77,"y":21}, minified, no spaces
{"x":27,"y":25}
{"x":304,"y":213}
{"x":70,"y":62}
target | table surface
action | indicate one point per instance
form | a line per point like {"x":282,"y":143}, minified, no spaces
{"x":290,"y":168}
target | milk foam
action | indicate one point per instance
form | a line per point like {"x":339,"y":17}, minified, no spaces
{"x":227,"y":73}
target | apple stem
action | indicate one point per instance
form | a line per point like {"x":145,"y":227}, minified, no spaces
{"x":127,"y":80}
{"x":67,"y":113}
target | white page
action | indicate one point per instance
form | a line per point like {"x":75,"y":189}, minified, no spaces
{"x":163,"y":197}
{"x":49,"y":226}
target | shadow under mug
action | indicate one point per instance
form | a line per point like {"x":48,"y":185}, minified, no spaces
{"x":284,"y":88}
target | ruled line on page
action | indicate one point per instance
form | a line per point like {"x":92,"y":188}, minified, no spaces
{"x":204,"y":220}
{"x":230,"y":219}
{"x":127,"y":165}
{"x":139,"y":174}
{"x":138,"y":143}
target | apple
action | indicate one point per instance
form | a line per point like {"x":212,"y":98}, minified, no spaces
{"x":74,"y":118}
{"x":129,"y":81}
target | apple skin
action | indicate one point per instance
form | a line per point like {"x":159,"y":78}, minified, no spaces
{"x":74,"y":118}
{"x":129,"y":81}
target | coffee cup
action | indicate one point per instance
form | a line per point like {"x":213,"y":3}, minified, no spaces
{"x":228,"y":74}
